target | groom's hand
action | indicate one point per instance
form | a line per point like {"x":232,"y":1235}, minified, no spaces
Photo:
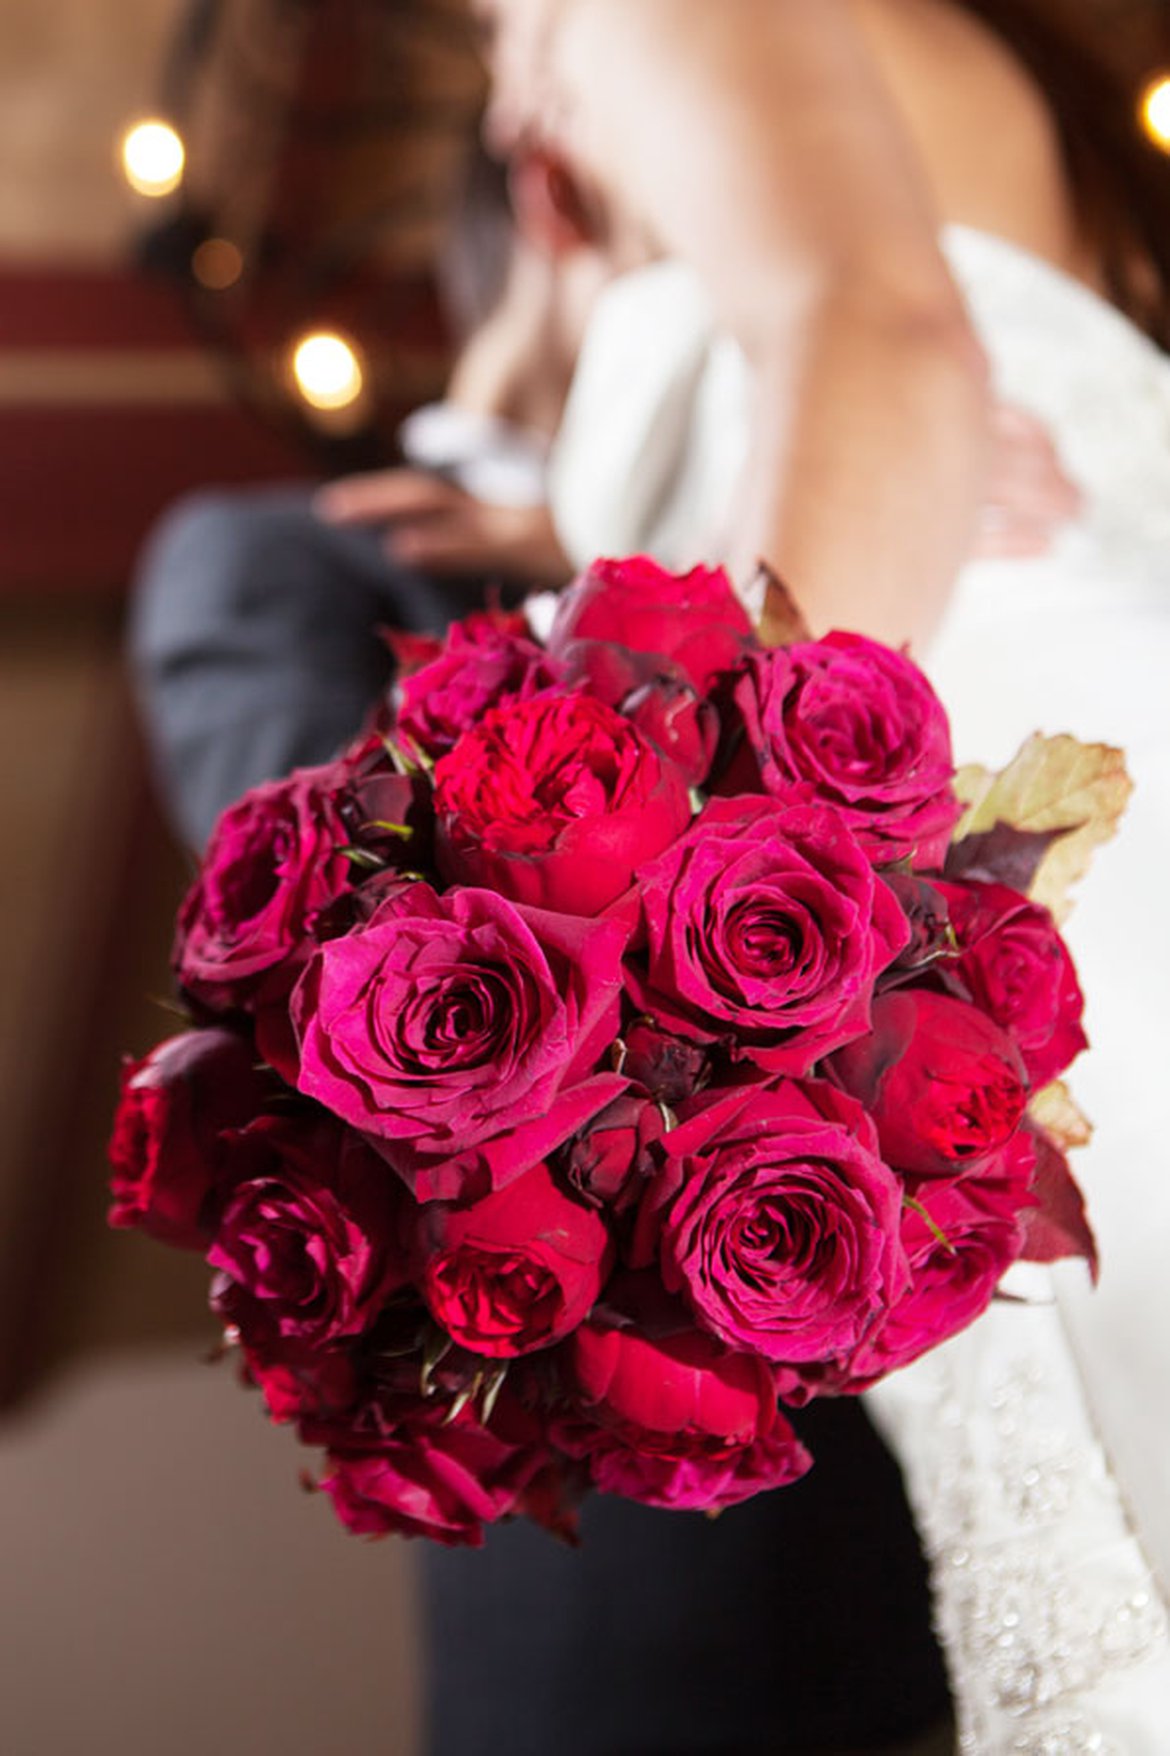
{"x":1029,"y":498}
{"x":432,"y":524}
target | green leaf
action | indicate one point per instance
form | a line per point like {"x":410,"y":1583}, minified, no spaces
{"x":363,"y":859}
{"x":931,"y":1224}
{"x":400,"y":829}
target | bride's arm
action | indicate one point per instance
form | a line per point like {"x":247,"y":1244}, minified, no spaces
{"x":755,"y":139}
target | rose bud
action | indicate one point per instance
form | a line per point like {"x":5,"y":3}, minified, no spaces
{"x":481,"y":665}
{"x":679,"y":721}
{"x":944,"y":1084}
{"x":611,"y":672}
{"x":767,"y":924}
{"x":777,"y":1221}
{"x":274,"y":864}
{"x":931,"y":935}
{"x":431,"y":1476}
{"x":556,"y":802}
{"x":308,"y":1243}
{"x":515,"y":1271}
{"x":613,"y":1150}
{"x":860,"y":725}
{"x":1015,"y":966}
{"x":448,"y":1020}
{"x":670,"y":1068}
{"x":168,"y":1148}
{"x":666,"y":1415}
{"x":388,"y":816}
{"x":693,"y":618}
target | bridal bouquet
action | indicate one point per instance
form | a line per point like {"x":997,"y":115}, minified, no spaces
{"x":629,"y":1038}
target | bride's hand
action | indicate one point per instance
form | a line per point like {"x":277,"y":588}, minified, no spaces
{"x":437,"y":527}
{"x":1029,"y":499}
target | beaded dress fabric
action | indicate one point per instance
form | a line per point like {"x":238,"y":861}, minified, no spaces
{"x":1036,"y":1446}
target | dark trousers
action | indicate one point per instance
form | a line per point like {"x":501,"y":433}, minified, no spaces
{"x":798,"y":1622}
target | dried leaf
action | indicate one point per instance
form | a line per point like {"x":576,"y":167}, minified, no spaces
{"x":1052,"y":784}
{"x":782,"y":622}
{"x":1055,"y":1111}
{"x":1002,"y":855}
{"x":1058,"y":1226}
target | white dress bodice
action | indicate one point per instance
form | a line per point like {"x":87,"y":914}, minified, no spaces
{"x":1036,"y":1446}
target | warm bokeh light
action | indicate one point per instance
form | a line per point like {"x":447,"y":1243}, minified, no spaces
{"x":152,"y":158}
{"x":217,"y":264}
{"x":328,"y":373}
{"x":1155,"y":111}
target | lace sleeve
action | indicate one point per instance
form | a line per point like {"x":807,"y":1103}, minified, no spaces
{"x":1052,"y":1622}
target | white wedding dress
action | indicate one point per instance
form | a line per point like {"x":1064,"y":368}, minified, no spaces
{"x":1036,"y":1447}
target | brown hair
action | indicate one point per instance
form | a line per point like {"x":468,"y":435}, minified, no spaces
{"x":1121,"y":181}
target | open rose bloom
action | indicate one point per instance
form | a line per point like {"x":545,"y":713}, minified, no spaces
{"x":620,"y":1046}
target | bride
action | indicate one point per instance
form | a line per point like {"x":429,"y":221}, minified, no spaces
{"x":850,"y":222}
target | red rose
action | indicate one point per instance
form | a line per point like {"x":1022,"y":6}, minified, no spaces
{"x":767,"y":926}
{"x":447,"y":1021}
{"x":1015,"y":966}
{"x":168,"y":1148}
{"x":777,"y":1221}
{"x":515,"y":1271}
{"x":944,"y":1084}
{"x":960,"y":1240}
{"x":666,"y":1415}
{"x":556,"y":802}
{"x":481,"y":665}
{"x":431,"y":1476}
{"x":693,"y":618}
{"x":274,"y":864}
{"x":298,"y":1380}
{"x":860,"y":725}
{"x":307,"y":1243}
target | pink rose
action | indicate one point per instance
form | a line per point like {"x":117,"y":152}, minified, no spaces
{"x":767,"y":926}
{"x":307,"y":1243}
{"x":1015,"y":966}
{"x":514,"y":1271}
{"x":481,"y":665}
{"x":168,"y":1148}
{"x":944,"y":1084}
{"x":861,"y":726}
{"x":273,"y":865}
{"x":777,"y":1221}
{"x":556,"y":802}
{"x":693,"y":618}
{"x":665,"y":1415}
{"x":447,"y":1020}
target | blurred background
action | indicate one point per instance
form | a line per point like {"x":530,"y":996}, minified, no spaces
{"x":221,"y":223}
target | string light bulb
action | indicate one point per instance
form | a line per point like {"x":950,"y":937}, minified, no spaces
{"x":1155,"y":111}
{"x":327,"y":371}
{"x":153,"y":157}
